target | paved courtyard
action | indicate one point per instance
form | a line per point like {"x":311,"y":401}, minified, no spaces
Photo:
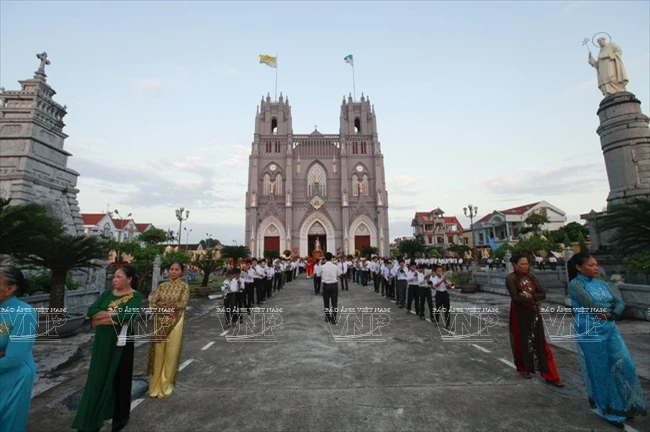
{"x":289,"y":370}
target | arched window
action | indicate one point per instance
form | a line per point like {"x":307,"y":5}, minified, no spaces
{"x":355,"y":185}
{"x":267,"y":184}
{"x":357,"y":125}
{"x":317,"y":181}
{"x":274,"y":126}
{"x":107,"y":230}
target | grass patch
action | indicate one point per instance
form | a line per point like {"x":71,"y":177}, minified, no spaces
{"x":214,"y":284}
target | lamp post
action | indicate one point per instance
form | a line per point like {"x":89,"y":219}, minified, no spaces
{"x":121,"y":228}
{"x":187,"y":238}
{"x":181,"y":219}
{"x":471,"y":211}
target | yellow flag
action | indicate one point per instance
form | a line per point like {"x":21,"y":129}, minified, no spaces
{"x":269,"y":61}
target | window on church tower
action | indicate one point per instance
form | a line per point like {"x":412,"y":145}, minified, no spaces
{"x":355,"y":148}
{"x":277,"y":147}
{"x":268,"y":147}
{"x":363,"y":148}
{"x":317,"y":181}
{"x":267,"y":184}
{"x":365,"y":185}
{"x":274,"y":126}
{"x":357,"y":125}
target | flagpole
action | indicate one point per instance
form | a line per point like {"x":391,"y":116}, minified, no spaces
{"x":354,"y":91}
{"x":276,"y":77}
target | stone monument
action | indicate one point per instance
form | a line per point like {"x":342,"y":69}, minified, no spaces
{"x":33,"y":163}
{"x":624,"y":140}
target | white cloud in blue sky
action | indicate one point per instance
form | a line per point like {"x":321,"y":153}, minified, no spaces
{"x":485,"y":102}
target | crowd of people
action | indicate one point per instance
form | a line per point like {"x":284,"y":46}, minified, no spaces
{"x":609,"y":373}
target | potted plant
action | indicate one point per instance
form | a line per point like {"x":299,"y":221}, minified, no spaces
{"x":465,"y":281}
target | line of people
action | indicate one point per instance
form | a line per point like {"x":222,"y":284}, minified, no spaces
{"x":407,"y":286}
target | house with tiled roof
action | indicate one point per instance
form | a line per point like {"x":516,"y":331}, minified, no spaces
{"x":436,"y":229}
{"x":104,"y":225}
{"x":504,"y":226}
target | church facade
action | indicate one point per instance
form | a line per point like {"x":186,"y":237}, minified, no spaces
{"x":316,"y":191}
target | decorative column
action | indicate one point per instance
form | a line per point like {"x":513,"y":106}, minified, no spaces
{"x":155,"y":276}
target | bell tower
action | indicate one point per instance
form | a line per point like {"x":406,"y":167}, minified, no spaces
{"x":273,"y":118}
{"x":358,"y":117}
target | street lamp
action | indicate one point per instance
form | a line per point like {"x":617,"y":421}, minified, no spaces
{"x":121,"y":228}
{"x":179,"y":216}
{"x":187,"y":238}
{"x":471,"y":212}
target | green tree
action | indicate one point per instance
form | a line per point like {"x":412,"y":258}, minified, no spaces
{"x":368,"y":251}
{"x":20,"y":224}
{"x":566,"y":240}
{"x":433,"y":252}
{"x":209,"y":243}
{"x":533,"y":245}
{"x":271,"y":254}
{"x":534,"y":222}
{"x":235,"y":252}
{"x":631,"y":224}
{"x":413,"y":248}
{"x":459,"y":249}
{"x":582,"y":243}
{"x":153,"y":236}
{"x":173,"y":256}
{"x":638,"y":263}
{"x":206,"y":262}
{"x":500,"y":253}
{"x":60,"y":254}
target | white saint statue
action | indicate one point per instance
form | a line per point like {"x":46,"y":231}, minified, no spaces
{"x":379,"y":197}
{"x":253,"y":199}
{"x":345,"y":198}
{"x":612,"y":77}
{"x":317,"y":244}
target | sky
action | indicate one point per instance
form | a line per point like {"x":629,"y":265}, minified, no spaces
{"x":488,"y":103}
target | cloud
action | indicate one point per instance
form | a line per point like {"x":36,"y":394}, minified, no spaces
{"x":231,"y":72}
{"x":570,"y":8}
{"x":590,"y":84}
{"x":194,"y":180}
{"x":407,"y":185}
{"x":148,"y":86}
{"x":569,"y":179}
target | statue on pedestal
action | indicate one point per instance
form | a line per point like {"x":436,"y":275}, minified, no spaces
{"x":272,"y":187}
{"x":317,"y":244}
{"x":612,"y":77}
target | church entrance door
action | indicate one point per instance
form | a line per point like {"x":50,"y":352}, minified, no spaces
{"x":361,"y":241}
{"x":272,"y":243}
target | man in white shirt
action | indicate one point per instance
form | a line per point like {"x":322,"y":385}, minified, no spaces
{"x":317,"y":277}
{"x":258,"y":277}
{"x":441,"y":284}
{"x":343,"y":265}
{"x":330,"y":274}
{"x":413,"y":279}
{"x":399,"y":273}
{"x":269,"y":273}
{"x":249,"y":285}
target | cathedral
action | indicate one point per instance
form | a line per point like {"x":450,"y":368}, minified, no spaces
{"x":316,"y":192}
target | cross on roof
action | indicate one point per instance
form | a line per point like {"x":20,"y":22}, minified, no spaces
{"x":44,"y":61}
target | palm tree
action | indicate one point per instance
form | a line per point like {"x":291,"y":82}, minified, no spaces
{"x":235,"y":252}
{"x":631,"y":223}
{"x":19,"y":224}
{"x":60,"y":254}
{"x":413,"y":248}
{"x":207,"y":263}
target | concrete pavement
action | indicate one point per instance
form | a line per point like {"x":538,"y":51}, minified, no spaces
{"x":289,"y":370}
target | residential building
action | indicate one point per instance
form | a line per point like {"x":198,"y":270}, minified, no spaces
{"x":436,"y":229}
{"x":504,"y":226}
{"x":102,"y":224}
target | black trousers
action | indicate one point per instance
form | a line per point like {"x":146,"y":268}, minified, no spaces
{"x":344,"y":283}
{"x":289,"y":274}
{"x":268,"y":284}
{"x":442,"y":306}
{"x":375,"y":281}
{"x":240,"y":302}
{"x":259,"y":290}
{"x":249,"y":289}
{"x":413,"y":292}
{"x":330,"y":296}
{"x":277,"y":282}
{"x":317,"y":281}
{"x":122,"y":387}
{"x":425,"y":294}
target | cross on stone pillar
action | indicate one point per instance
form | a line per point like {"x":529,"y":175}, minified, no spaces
{"x":44,"y":61}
